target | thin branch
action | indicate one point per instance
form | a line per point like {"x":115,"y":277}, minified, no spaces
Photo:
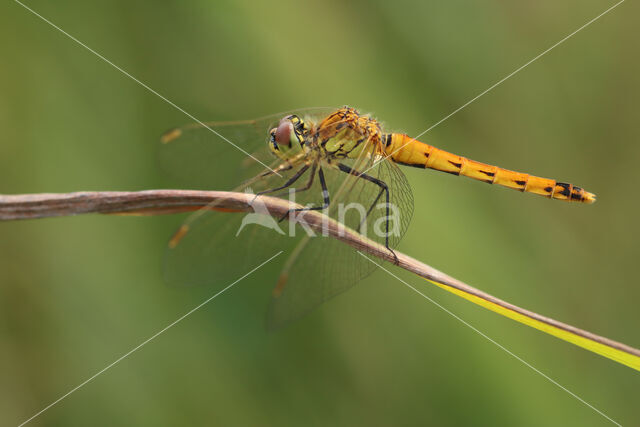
{"x":158,"y":202}
{"x":151,"y":202}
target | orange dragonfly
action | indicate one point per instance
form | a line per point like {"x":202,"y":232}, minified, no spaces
{"x":339,"y":162}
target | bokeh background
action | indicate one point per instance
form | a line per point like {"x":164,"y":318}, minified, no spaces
{"x":77,"y":293}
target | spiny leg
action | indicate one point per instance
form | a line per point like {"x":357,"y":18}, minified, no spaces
{"x":325,"y":196}
{"x":293,"y":179}
{"x":309,"y":183}
{"x":384,"y":188}
{"x":284,"y":167}
{"x":281,"y":168}
{"x":289,"y":182}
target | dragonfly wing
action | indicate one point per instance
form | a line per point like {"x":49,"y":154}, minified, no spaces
{"x":322,"y":267}
{"x":221,"y":247}
{"x":221,"y":155}
{"x":218,"y":156}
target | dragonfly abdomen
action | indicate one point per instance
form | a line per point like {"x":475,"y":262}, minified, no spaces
{"x":408,"y":151}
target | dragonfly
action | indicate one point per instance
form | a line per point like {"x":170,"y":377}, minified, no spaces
{"x":337,"y":161}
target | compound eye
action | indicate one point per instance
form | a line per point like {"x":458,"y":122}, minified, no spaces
{"x":283,"y":133}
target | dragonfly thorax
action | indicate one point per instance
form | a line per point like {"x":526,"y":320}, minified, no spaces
{"x":349,"y":134}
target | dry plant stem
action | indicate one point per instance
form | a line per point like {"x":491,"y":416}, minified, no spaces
{"x":157,"y":202}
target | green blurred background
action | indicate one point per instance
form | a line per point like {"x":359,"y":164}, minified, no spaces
{"x":77,"y":293}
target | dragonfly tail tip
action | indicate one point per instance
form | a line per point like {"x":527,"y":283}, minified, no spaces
{"x":589,"y":198}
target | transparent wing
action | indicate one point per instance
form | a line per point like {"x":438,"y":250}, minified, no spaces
{"x":221,"y":247}
{"x":322,"y":267}
{"x":221,"y":155}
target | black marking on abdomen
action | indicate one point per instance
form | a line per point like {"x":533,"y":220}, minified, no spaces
{"x":548,"y":189}
{"x":521,"y":182}
{"x":565,"y":188}
{"x":577,"y":194}
{"x":457,"y":165}
{"x":492,"y":174}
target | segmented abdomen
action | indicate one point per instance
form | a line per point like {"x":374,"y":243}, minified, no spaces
{"x":407,"y":151}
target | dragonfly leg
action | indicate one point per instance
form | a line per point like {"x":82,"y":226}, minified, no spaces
{"x":325,"y":194}
{"x":265,"y":174}
{"x":289,"y":182}
{"x":293,"y":179}
{"x":309,"y":183}
{"x":384,"y":188}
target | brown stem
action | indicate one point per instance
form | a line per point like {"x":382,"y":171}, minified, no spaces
{"x":158,"y":202}
{"x":151,"y":202}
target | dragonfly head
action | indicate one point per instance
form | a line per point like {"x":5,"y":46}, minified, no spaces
{"x":288,"y":138}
